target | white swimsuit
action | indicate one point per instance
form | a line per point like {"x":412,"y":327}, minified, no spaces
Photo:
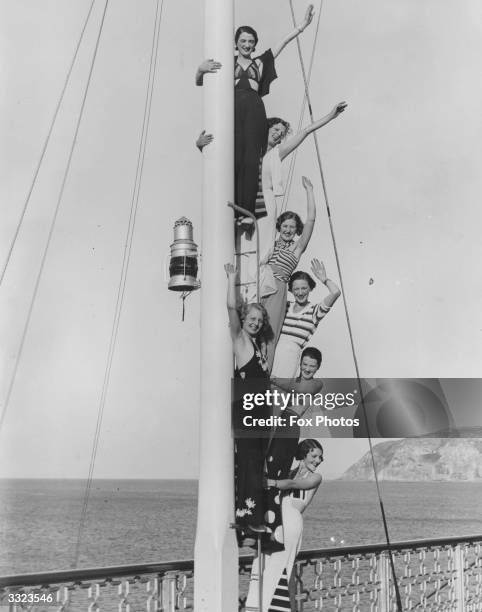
{"x":279,"y":565}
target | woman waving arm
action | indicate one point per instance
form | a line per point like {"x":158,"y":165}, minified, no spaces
{"x":294,"y":33}
{"x":318,"y":269}
{"x":310,"y":218}
{"x":292,"y":143}
{"x":234,"y":322}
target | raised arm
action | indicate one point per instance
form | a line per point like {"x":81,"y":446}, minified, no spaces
{"x":319,"y":271}
{"x":206,"y":67}
{"x":310,"y":482}
{"x":310,"y":217}
{"x":234,"y":322}
{"x":296,"y":32}
{"x":292,"y":143}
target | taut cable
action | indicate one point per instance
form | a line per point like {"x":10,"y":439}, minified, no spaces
{"x":300,"y":121}
{"x":350,"y":333}
{"x":52,"y":227}
{"x":124,"y":271}
{"x":44,"y":148}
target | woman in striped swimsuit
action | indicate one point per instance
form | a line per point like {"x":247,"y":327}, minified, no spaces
{"x":283,"y":261}
{"x":270,"y":192}
{"x":302,"y":318}
{"x":300,"y":489}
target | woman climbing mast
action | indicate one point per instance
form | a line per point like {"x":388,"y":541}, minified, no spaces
{"x":271,"y":187}
{"x":247,"y":327}
{"x":302,"y":318}
{"x":297,"y":493}
{"x":284,"y":259}
{"x":284,"y":442}
{"x":278,"y":149}
{"x":252,"y":79}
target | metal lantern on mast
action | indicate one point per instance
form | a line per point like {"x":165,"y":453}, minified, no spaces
{"x":183,"y":265}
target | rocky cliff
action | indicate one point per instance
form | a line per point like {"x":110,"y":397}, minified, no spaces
{"x":418,"y":460}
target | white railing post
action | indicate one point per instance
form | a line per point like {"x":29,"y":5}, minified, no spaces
{"x":168,"y":592}
{"x":216,"y":552}
{"x":459,"y":578}
{"x":384,"y":580}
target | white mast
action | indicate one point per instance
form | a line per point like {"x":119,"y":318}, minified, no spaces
{"x":216,"y":552}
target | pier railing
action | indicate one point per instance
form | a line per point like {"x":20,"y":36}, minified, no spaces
{"x":443,"y":575}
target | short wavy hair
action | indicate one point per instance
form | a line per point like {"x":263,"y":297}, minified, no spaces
{"x":290,"y":215}
{"x":305,"y":446}
{"x":313,"y":353}
{"x":275,"y":120}
{"x":299,"y":275}
{"x":243,"y":311}
{"x":247,"y":30}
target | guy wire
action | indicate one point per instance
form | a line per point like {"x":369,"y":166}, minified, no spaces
{"x":300,"y":121}
{"x":52,"y":226}
{"x":124,"y":271}
{"x":350,"y":333}
{"x":44,"y":148}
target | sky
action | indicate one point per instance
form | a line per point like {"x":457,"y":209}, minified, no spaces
{"x":402,"y":166}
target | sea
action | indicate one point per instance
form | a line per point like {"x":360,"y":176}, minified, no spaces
{"x":138,"y":521}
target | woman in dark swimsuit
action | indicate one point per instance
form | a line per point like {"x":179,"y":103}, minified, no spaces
{"x":251,"y":376}
{"x":252,"y":79}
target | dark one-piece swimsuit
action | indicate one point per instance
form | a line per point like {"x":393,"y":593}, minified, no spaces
{"x":251,"y":445}
{"x":250,"y":126}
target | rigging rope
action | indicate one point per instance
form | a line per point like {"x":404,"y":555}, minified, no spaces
{"x":124,"y":270}
{"x":44,"y":147}
{"x":52,"y":226}
{"x":302,"y":114}
{"x":350,"y":332}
